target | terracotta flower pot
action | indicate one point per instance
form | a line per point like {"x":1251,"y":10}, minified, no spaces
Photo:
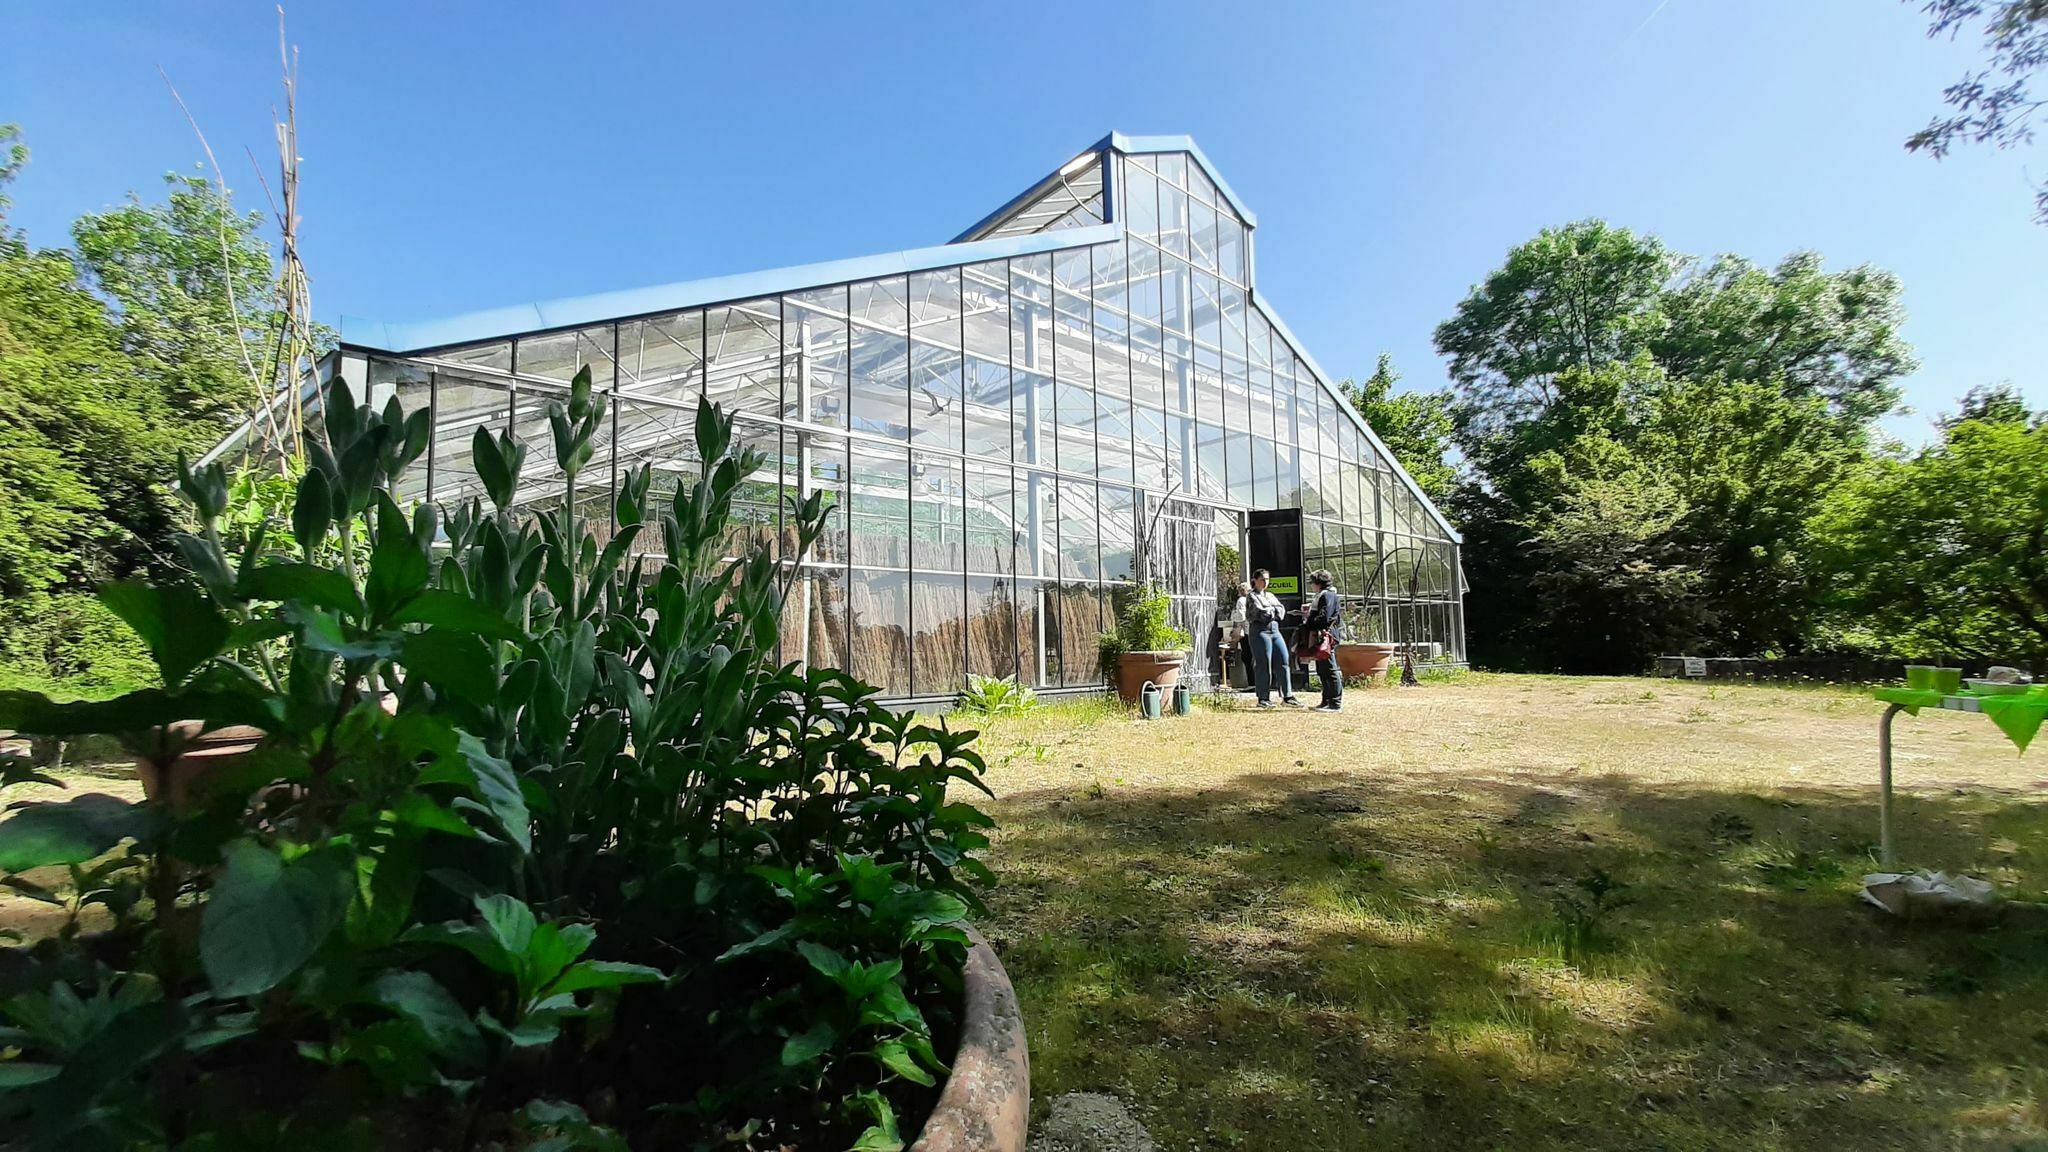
{"x":1134,"y":668}
{"x":207,"y":751}
{"x":1364,"y":659}
{"x":986,"y":1103}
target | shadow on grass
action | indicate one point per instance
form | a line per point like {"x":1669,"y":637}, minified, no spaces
{"x":1305,"y":961}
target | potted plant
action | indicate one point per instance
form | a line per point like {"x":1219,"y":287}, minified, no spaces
{"x":1362,"y":654}
{"x":1143,"y":646}
{"x":512,"y":903}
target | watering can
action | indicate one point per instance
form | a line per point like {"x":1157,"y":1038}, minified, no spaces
{"x":1183,"y":699}
{"x":1148,"y":701}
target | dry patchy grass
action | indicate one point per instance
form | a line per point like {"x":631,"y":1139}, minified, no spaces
{"x":1522,"y":912}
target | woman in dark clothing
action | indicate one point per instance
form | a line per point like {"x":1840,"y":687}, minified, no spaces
{"x":1325,"y":613}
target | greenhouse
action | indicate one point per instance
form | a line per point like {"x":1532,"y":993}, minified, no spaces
{"x":1083,"y":391}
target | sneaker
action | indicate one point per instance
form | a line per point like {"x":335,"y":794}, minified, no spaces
{"x":1329,"y":707}
{"x":1265,"y":703}
{"x":1291,"y":701}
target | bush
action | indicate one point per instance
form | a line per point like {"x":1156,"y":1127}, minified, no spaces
{"x":70,"y":644}
{"x":1141,"y":626}
{"x":540,"y":848}
{"x":997,"y":695}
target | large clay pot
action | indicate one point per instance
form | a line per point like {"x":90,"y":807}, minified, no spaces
{"x":207,"y":751}
{"x":986,"y":1103}
{"x":1355,"y":660}
{"x":1134,"y":668}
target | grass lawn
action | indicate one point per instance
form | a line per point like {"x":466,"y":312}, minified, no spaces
{"x":1523,"y":912}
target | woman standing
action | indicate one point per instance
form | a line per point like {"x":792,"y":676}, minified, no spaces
{"x":1270,"y":659}
{"x":1325,"y":614}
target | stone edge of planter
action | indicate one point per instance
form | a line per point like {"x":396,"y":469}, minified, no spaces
{"x":986,"y":1103}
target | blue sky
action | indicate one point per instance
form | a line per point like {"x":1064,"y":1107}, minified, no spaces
{"x":459,"y":156}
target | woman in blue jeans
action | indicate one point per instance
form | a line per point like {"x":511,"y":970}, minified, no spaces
{"x":1271,"y":662}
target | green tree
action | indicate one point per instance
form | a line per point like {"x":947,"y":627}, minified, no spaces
{"x":192,"y":285}
{"x":1417,"y":427}
{"x":1829,"y":334}
{"x":1579,"y":296}
{"x":1945,"y":551}
{"x":1602,"y":376}
{"x":1993,"y":105}
{"x":113,"y":359}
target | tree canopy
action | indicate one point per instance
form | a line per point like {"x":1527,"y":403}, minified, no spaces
{"x":115,"y":356}
{"x":1646,"y":437}
{"x":1416,"y":427}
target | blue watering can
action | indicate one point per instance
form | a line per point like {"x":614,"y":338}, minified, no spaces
{"x":1183,"y":699}
{"x":1148,"y":701}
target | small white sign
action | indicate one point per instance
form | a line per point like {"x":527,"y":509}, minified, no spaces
{"x":1696,"y":667}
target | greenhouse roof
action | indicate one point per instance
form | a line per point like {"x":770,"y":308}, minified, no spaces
{"x":1065,"y":210}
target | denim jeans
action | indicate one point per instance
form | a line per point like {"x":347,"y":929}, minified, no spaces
{"x":1331,"y":679}
{"x":1272,"y":662}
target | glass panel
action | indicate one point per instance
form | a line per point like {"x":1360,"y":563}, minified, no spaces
{"x":1145,"y":302}
{"x":1172,"y":166}
{"x":985,"y":304}
{"x":410,"y":385}
{"x":991,"y":627}
{"x":1230,"y":246}
{"x":556,"y":358}
{"x":757,"y":502}
{"x":938,"y":625}
{"x":1031,"y":313}
{"x":1077,"y":430}
{"x":1173,"y":220}
{"x":937,"y":528}
{"x":1079,"y":558}
{"x":742,"y":353}
{"x":814,"y":627}
{"x":991,"y":527}
{"x":1210,"y":471}
{"x":815,"y":345}
{"x":1080,"y":617}
{"x":1031,"y":639}
{"x":663,"y":358}
{"x":1148,"y":447}
{"x":879,"y":504}
{"x":1233,"y":319}
{"x":987,"y":415}
{"x":880,"y":625}
{"x":821,"y":460}
{"x":1148,"y":386}
{"x":1113,"y":437}
{"x":1266,"y":491}
{"x":1112,"y":299}
{"x":1141,"y":200}
{"x":1037,"y":503}
{"x":1119,"y":532}
{"x":1175,"y":303}
{"x":1238,"y":467}
{"x":881,"y":357}
{"x":1202,"y":235}
{"x":1031,"y":418}
{"x":1311,"y":483}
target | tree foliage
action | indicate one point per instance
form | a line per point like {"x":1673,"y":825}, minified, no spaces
{"x":1945,"y":552}
{"x":1993,"y":105}
{"x":1648,"y":436}
{"x":114,"y":357}
{"x":1416,"y":427}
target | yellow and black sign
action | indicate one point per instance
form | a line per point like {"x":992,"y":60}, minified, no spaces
{"x":1284,"y":585}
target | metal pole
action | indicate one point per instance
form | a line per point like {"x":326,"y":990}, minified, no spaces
{"x":1886,"y":851}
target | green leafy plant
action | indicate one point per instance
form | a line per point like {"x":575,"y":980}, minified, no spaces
{"x":1143,"y":624}
{"x":535,"y":840}
{"x":997,"y":695}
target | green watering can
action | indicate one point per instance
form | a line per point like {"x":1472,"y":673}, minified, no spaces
{"x":1183,"y":699}
{"x":1148,"y":701}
